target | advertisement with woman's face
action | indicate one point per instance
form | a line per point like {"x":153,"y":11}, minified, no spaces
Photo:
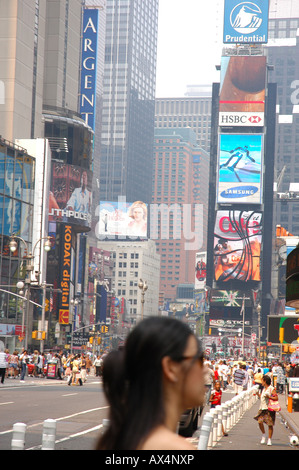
{"x":122,"y":220}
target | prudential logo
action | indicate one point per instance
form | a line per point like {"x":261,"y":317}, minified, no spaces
{"x":246,"y":22}
{"x":246,"y":18}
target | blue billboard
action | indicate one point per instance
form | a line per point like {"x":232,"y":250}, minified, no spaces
{"x":240,"y":168}
{"x":246,"y":22}
{"x":89,"y":66}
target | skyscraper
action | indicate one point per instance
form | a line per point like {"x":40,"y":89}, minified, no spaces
{"x":128,"y":100}
{"x":283,"y":54}
{"x":180,"y":181}
{"x":194,"y":111}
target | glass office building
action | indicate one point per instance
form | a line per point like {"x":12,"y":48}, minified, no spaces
{"x":17,"y":170}
{"x":129,"y":100}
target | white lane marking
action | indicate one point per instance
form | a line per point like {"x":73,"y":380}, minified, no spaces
{"x":60,"y":419}
{"x":71,"y":436}
{"x":7,"y":403}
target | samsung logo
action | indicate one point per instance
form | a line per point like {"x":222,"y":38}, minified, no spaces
{"x":241,"y":191}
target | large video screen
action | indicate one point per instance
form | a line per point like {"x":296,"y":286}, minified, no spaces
{"x":237,"y":246}
{"x":70,"y":196}
{"x":242,"y":91}
{"x":240,"y":159}
{"x":122,"y":220}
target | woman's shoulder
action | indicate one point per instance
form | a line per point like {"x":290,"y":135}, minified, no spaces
{"x":164,"y":439}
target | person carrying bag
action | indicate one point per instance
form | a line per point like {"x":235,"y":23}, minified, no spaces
{"x":267,"y":413}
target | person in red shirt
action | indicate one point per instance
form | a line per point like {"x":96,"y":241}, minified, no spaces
{"x":215,"y":399}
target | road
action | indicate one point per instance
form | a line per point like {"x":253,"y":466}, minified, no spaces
{"x":78,"y":411}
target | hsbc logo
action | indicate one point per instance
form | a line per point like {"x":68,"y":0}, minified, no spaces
{"x":241,"y":119}
{"x":255,"y":119}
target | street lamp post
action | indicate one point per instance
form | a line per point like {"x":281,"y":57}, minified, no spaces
{"x":258,"y":309}
{"x":143,"y":287}
{"x":74,"y":303}
{"x":13,"y":245}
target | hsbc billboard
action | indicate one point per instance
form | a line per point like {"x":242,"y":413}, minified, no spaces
{"x":241,"y":119}
{"x":242,"y":91}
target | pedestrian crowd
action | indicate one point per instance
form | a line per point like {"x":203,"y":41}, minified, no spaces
{"x":73,"y":367}
{"x":270,"y":381}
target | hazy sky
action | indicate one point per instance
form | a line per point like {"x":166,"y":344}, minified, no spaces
{"x":189,"y":44}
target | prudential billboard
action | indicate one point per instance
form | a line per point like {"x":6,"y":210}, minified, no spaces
{"x":246,"y":22}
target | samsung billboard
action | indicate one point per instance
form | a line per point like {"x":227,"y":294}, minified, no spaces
{"x":246,"y":22}
{"x":240,"y":168}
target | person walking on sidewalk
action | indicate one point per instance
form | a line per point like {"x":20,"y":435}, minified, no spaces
{"x":24,"y":360}
{"x":239,"y":378}
{"x":215,"y":400}
{"x":265,"y":416}
{"x":3,"y":365}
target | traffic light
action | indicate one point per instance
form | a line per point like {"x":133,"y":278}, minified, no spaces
{"x":91,"y":339}
{"x":281,"y":335}
{"x":34,"y":334}
{"x":104,"y":329}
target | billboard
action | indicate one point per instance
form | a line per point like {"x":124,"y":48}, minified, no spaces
{"x":70,"y":195}
{"x":200,"y":270}
{"x":237,"y":246}
{"x":242,"y":91}
{"x":246,"y":22}
{"x":89,"y":66}
{"x":230,"y":298}
{"x":65,"y":272}
{"x":122,"y":220}
{"x":240,"y":159}
{"x":290,"y":326}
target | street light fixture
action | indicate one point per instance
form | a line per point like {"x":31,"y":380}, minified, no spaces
{"x":143,"y":287}
{"x":13,"y":245}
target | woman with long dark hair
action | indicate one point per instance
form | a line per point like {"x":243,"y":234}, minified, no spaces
{"x":150,"y":383}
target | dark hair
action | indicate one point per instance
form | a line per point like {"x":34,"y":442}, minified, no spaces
{"x":267,"y":379}
{"x":132,"y":381}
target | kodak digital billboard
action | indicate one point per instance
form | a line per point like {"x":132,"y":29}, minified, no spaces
{"x":237,"y":246}
{"x":242,"y":91}
{"x":240,"y":159}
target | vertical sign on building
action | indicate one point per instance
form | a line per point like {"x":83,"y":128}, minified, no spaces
{"x":89,"y":66}
{"x":65,"y":273}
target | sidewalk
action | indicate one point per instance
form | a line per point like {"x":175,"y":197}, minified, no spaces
{"x":30,"y":380}
{"x":245,"y":434}
{"x":292,"y":419}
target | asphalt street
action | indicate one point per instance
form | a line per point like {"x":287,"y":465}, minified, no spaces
{"x":78,"y":411}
